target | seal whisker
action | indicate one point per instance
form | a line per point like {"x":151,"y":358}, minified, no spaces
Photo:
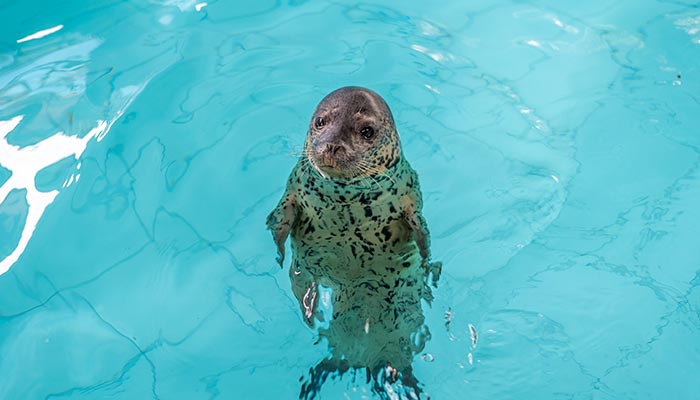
{"x":347,"y":207}
{"x":304,"y":164}
{"x":363,"y":173}
{"x":389,"y":177}
{"x":373,"y":180}
{"x":372,"y":172}
{"x":358,"y":172}
{"x":298,"y":152}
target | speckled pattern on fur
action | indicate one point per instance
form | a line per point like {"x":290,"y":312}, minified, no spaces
{"x":364,"y":237}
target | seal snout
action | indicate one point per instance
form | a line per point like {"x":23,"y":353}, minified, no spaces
{"x":335,"y":150}
{"x":331,"y":154}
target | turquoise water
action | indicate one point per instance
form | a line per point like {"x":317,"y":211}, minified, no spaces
{"x":143,"y":143}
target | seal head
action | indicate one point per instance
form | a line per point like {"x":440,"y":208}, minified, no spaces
{"x":352,"y":134}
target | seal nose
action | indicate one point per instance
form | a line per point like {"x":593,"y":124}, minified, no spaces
{"x":334,"y":149}
{"x":331,"y":153}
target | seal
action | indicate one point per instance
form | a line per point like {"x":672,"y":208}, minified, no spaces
{"x":352,"y":206}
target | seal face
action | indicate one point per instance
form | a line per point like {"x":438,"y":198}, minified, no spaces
{"x":352,"y":134}
{"x":352,"y":206}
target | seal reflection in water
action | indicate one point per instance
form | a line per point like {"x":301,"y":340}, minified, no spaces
{"x":353,"y":208}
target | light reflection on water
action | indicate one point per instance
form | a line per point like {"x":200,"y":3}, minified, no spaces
{"x":24,"y":165}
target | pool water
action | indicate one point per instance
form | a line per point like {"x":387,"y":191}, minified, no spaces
{"x":143,"y":143}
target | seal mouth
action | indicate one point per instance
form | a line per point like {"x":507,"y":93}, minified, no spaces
{"x":335,"y":170}
{"x":331,"y":168}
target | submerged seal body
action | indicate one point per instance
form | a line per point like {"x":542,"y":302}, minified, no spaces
{"x":352,"y":206}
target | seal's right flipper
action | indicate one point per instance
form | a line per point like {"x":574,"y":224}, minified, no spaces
{"x":305,"y":289}
{"x":280,"y":222}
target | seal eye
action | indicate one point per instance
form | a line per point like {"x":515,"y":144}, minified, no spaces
{"x":367,"y":132}
{"x":320,"y":122}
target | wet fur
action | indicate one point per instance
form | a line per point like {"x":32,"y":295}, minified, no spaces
{"x":357,"y":228}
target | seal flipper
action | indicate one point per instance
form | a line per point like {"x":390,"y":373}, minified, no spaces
{"x":417,"y":223}
{"x":305,"y":289}
{"x":412,"y":215}
{"x":280,"y":222}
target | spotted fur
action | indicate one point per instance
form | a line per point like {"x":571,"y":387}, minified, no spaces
{"x":361,"y":235}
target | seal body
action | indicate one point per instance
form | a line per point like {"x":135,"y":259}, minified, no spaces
{"x":352,"y":207}
{"x":354,"y":239}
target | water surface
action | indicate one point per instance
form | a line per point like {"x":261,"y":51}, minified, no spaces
{"x":143,"y":143}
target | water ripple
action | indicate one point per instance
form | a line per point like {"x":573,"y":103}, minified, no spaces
{"x":558,"y":156}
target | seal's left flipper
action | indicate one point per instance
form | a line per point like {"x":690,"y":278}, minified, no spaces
{"x":416,"y":221}
{"x":413,"y":217}
{"x":280,"y":222}
{"x":434,"y":268}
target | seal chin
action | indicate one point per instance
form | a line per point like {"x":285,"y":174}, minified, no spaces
{"x":334,"y":169}
{"x":334,"y":172}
